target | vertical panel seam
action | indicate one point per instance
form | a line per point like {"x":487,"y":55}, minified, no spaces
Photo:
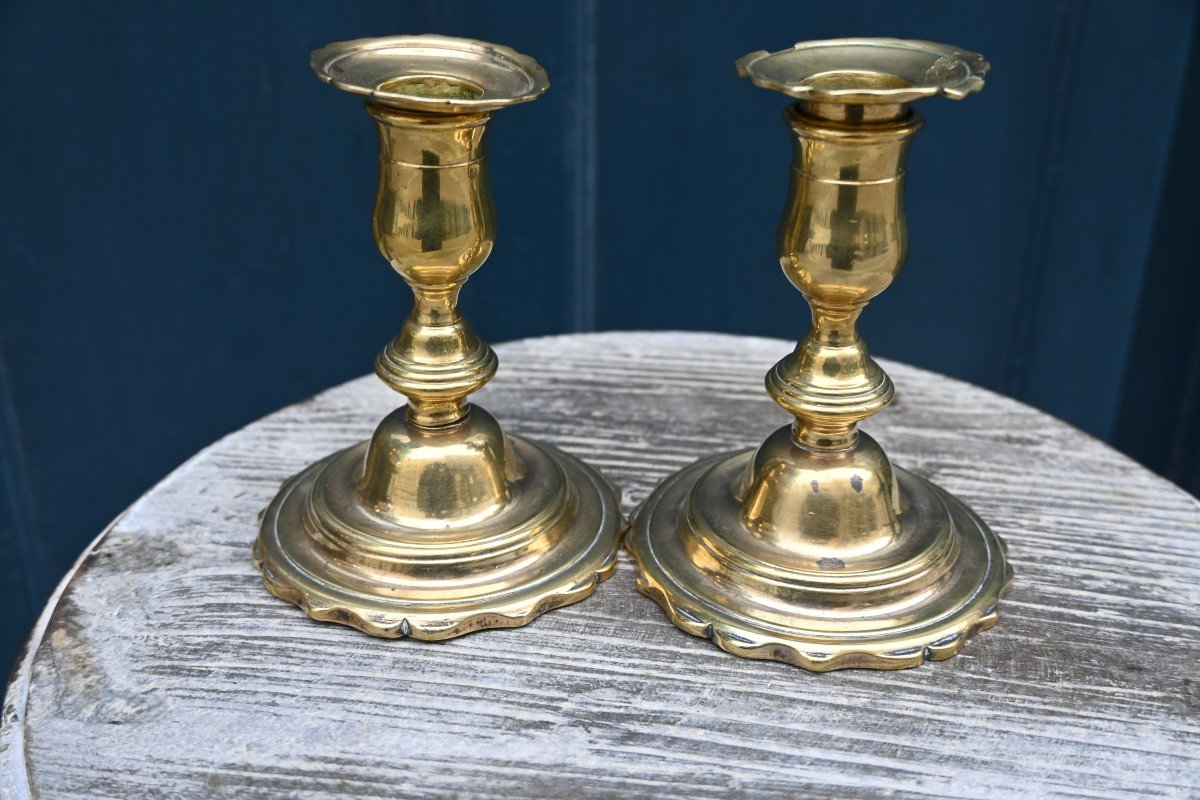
{"x":1068,"y":35}
{"x":581,"y":154}
{"x":18,"y":499}
{"x":1179,"y":457}
{"x":1182,"y":461}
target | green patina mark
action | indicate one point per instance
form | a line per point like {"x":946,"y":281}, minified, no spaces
{"x":433,"y":87}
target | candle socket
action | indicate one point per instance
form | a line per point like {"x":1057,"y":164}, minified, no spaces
{"x":440,"y":524}
{"x":815,"y":549}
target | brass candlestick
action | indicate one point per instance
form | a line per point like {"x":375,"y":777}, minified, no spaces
{"x":440,"y":524}
{"x":815,"y":549}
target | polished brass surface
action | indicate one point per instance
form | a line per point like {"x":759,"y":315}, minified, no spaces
{"x":440,"y":524}
{"x":815,"y":549}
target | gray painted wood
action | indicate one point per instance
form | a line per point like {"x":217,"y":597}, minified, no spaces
{"x":162,"y":669}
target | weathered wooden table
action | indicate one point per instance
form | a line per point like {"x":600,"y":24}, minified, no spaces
{"x":163,"y":669}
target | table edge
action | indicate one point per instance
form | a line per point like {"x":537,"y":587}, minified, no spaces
{"x":14,"y":775}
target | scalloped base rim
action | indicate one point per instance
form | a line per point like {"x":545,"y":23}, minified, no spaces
{"x":433,"y":628}
{"x":746,"y":643}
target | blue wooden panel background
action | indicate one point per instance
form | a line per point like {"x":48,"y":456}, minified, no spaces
{"x":185,"y":239}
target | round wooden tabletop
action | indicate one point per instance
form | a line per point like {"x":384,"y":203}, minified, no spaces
{"x":163,"y":669}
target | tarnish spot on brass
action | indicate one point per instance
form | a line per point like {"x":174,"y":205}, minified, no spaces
{"x":433,"y":87}
{"x":841,"y":80}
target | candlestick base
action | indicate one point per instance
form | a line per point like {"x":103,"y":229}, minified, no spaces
{"x":437,"y":533}
{"x":826,"y":561}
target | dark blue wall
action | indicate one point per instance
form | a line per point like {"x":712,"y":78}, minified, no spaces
{"x":185,"y":245}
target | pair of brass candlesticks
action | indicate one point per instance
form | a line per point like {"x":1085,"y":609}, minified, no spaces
{"x":813,"y":549}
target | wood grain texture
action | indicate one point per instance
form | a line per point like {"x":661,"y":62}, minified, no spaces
{"x":164,"y":670}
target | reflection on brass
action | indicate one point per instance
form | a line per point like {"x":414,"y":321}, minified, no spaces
{"x":440,"y":524}
{"x":815,"y":549}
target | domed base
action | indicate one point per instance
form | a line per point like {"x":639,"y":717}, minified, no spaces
{"x":810,"y":592}
{"x":433,"y":562}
